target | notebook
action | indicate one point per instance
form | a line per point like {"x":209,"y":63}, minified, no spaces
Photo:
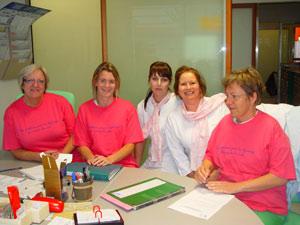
{"x":105,"y":173}
{"x":142,"y":194}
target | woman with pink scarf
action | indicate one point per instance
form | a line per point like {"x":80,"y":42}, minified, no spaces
{"x":153,"y":112}
{"x":189,"y":126}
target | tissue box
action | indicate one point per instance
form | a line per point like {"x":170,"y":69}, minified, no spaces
{"x":23,"y":219}
{"x":39,"y":210}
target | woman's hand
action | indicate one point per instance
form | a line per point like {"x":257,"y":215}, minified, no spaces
{"x":223,"y":187}
{"x":99,"y":160}
{"x":204,"y":171}
{"x":53,"y":153}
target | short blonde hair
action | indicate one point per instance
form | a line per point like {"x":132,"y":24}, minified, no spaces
{"x":27,"y":70}
{"x":249,"y":79}
{"x":109,"y":67}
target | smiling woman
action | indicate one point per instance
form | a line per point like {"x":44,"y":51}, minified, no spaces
{"x":189,"y":127}
{"x":34,"y":121}
{"x":107,"y":126}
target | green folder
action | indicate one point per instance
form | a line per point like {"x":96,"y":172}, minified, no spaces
{"x":142,"y":194}
{"x":105,"y":173}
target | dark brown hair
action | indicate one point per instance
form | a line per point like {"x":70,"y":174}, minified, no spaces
{"x":163,"y":70}
{"x":199,"y":77}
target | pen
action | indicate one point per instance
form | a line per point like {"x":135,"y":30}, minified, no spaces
{"x":11,"y":169}
{"x":73,"y":177}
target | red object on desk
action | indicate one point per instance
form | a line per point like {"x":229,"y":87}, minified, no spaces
{"x":14,"y":199}
{"x":54,"y":204}
{"x":97,"y":212}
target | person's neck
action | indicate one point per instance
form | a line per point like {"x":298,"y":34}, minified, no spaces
{"x":32,"y":102}
{"x":103,"y":102}
{"x":249,"y":116}
{"x":159,"y":98}
{"x":192,"y":106}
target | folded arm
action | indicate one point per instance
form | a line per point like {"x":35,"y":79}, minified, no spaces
{"x":100,"y":160}
{"x":28,"y":155}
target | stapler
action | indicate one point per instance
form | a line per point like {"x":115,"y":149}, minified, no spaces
{"x":54,"y":204}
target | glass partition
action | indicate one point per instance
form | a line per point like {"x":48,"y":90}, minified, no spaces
{"x":180,"y":32}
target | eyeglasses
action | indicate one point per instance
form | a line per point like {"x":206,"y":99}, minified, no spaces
{"x":32,"y":81}
{"x":234,"y":97}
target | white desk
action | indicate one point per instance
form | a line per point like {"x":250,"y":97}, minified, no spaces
{"x":234,"y":213}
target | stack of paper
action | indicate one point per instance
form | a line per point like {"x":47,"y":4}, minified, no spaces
{"x":27,"y":187}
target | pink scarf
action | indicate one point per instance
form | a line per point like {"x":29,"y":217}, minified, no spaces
{"x":152,"y":127}
{"x":201,"y":134}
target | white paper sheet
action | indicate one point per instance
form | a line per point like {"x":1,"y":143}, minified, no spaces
{"x":62,"y":157}
{"x":26,"y":187}
{"x":37,"y":172}
{"x":201,"y":203}
{"x":61,"y":221}
{"x":138,"y":188}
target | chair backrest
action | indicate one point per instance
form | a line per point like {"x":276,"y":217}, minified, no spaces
{"x":288,"y":117}
{"x":293,"y":131}
{"x":67,"y":95}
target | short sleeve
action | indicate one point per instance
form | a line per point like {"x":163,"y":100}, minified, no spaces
{"x":81,"y":136}
{"x":281,"y":158}
{"x":10,"y":140}
{"x":69,"y":116}
{"x":134,"y":132}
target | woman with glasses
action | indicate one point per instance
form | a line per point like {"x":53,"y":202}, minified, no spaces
{"x":38,"y":122}
{"x":107,"y":126}
{"x":189,"y":126}
{"x":153,"y":112}
{"x":250,"y":151}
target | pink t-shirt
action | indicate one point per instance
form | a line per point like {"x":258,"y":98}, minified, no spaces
{"x":250,"y":150}
{"x":105,"y":130}
{"x":45,"y":127}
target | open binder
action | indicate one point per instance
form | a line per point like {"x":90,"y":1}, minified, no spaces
{"x":142,"y":194}
{"x":109,"y":217}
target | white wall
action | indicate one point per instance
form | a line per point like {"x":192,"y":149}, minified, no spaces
{"x":67,"y":42}
{"x":241,"y":37}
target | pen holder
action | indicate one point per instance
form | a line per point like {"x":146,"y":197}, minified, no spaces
{"x":82,"y":191}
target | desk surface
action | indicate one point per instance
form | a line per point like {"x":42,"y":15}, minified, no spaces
{"x":235,"y":212}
